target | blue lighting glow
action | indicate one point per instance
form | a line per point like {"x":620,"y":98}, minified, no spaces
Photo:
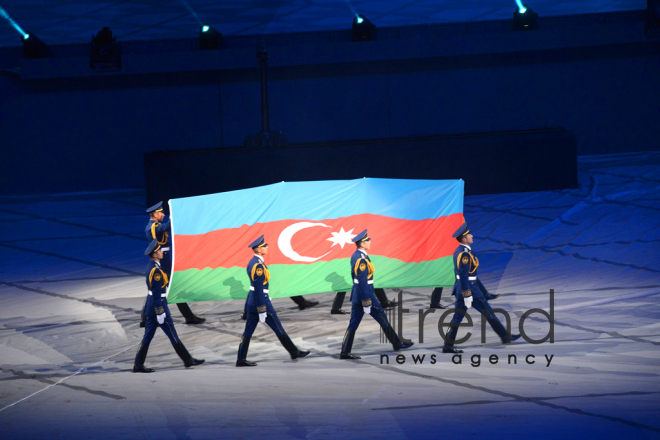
{"x":26,"y":36}
{"x":6,"y":16}
{"x":359,"y":19}
{"x":205,"y":28}
{"x":521,"y":8}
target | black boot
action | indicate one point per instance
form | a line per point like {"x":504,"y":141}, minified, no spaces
{"x":435,"y":299}
{"x":382,"y":299}
{"x":347,"y":345}
{"x":188,"y":360}
{"x":138,"y":365}
{"x":337,"y":303}
{"x":304,"y":303}
{"x":397,"y":344}
{"x":184,"y":308}
{"x":241,"y":360}
{"x":449,"y":342}
{"x":308,"y":303}
{"x":244,"y":315}
{"x":489,"y":296}
{"x":288,"y":344}
{"x":501,"y":331}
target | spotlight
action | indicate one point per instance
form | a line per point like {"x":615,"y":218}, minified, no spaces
{"x":363,"y":29}
{"x":106,"y":53}
{"x":524,"y":19}
{"x":652,"y":18}
{"x":33,"y":47}
{"x":209,"y":38}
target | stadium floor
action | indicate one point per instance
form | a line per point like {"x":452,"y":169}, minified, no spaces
{"x":71,"y":283}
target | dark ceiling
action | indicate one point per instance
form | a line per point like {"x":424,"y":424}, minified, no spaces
{"x":74,"y":21}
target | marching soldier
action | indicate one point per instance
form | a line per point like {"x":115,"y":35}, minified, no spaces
{"x":259,"y":307}
{"x":158,"y":314}
{"x":468,"y":292}
{"x":159,"y":230}
{"x":363,"y":299}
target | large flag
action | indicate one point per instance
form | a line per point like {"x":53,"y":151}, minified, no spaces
{"x":309,"y":227}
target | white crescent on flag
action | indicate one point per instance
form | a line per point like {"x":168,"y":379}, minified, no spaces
{"x":284,"y":241}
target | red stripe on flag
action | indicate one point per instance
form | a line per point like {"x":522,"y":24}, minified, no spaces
{"x":410,"y":241}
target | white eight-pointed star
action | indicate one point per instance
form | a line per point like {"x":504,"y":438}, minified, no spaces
{"x":341,"y":238}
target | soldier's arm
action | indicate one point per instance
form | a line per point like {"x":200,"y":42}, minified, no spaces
{"x":159,"y":228}
{"x":257,"y":276}
{"x":164,"y":225}
{"x":463,"y":266}
{"x":361,"y":273}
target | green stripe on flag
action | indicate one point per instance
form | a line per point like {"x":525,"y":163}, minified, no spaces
{"x":303,"y":279}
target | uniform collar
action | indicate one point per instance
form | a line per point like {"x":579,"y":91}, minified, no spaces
{"x":259,"y":258}
{"x":157,"y":264}
{"x":363,"y":251}
{"x":469,"y":248}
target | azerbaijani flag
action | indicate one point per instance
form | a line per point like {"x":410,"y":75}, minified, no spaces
{"x":308,"y":227}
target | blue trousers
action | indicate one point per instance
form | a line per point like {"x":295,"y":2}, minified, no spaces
{"x":481,"y":304}
{"x":377,"y":313}
{"x":167,"y":327}
{"x":271,"y":319}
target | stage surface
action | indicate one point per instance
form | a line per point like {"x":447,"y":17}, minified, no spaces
{"x":72,"y":285}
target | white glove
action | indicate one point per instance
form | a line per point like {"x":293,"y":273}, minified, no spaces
{"x":262,"y":317}
{"x":468,"y":301}
{"x":367,"y":310}
{"x":161,"y":318}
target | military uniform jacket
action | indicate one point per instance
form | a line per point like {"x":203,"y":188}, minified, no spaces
{"x":258,"y":300}
{"x":159,"y":231}
{"x":465,"y":269}
{"x":156,"y":283}
{"x":362,"y":273}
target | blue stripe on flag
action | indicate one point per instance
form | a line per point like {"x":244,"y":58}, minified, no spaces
{"x":320,"y":200}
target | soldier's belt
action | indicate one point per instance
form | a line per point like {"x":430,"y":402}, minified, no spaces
{"x":162,"y":295}
{"x":469,"y":278}
{"x":355,"y":280}
{"x":252,"y":289}
{"x":165,"y":249}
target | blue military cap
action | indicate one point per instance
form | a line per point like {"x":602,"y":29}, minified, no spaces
{"x":156,"y":208}
{"x":461,"y":231}
{"x":259,"y":242}
{"x":153,"y":247}
{"x":362,"y":236}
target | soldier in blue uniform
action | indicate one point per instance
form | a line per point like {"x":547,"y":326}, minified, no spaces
{"x":158,"y":314}
{"x":259,"y":307}
{"x":468,"y":292}
{"x":363,"y":299}
{"x":159,"y":229}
